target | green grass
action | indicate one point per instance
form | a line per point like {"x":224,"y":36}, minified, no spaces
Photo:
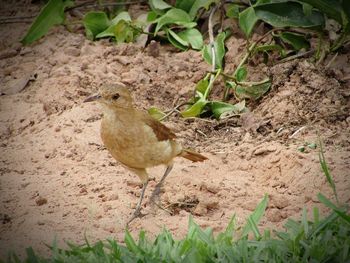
{"x":324,"y":239}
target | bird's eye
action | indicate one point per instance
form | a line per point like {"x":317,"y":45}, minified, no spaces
{"x":115,"y":96}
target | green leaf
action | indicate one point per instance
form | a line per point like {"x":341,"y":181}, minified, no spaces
{"x":241,"y":74}
{"x":247,"y":20}
{"x":193,"y":37}
{"x":156,"y":113}
{"x":174,"y":16}
{"x":307,"y":9}
{"x":270,"y":47}
{"x":301,"y":149}
{"x":252,"y":91}
{"x":158,"y":5}
{"x":221,"y":109}
{"x":200,"y":4}
{"x":219,"y":47}
{"x":130,"y":242}
{"x":151,"y":16}
{"x":288,"y":14}
{"x":256,"y":215}
{"x":124,"y":15}
{"x":325,"y":170}
{"x":232,"y":11}
{"x":332,"y":8}
{"x":202,"y":86}
{"x":95,"y":23}
{"x":176,"y":41}
{"x":312,"y":145}
{"x":185,"y":5}
{"x":337,"y":210}
{"x":298,"y":41}
{"x":122,"y":31}
{"x":114,"y":25}
{"x":195,"y":109}
{"x":51,"y":14}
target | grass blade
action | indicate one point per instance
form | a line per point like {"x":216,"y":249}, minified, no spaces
{"x":255,"y":217}
{"x":325,"y":170}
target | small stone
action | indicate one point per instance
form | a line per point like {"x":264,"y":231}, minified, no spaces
{"x":24,"y":185}
{"x":71,"y":51}
{"x":274,"y":215}
{"x":250,"y":205}
{"x":40,"y":201}
{"x":113,"y":197}
{"x":265,"y":150}
{"x":123,"y":60}
{"x":41,"y":223}
{"x":201,"y":209}
{"x":279,"y":201}
{"x":83,"y":190}
{"x":133,"y":183}
{"x":214,"y":189}
{"x":7,"y":53}
{"x":107,"y":208}
{"x":153,"y":49}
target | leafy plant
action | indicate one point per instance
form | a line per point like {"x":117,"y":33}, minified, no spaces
{"x":293,"y":22}
{"x":51,"y":14}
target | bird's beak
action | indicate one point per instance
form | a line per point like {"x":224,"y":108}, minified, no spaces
{"x":92,"y":98}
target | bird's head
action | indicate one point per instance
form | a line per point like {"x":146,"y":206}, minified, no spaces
{"x":113,"y":95}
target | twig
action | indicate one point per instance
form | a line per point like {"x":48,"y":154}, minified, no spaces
{"x":297,"y":131}
{"x":300,"y":55}
{"x":331,"y":61}
{"x":200,"y":119}
{"x":200,"y":132}
{"x":16,"y":19}
{"x":173,"y":110}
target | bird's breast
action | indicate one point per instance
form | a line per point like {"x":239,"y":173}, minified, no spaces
{"x":133,"y":143}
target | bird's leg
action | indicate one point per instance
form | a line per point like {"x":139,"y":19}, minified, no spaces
{"x":137,"y":211}
{"x":159,"y":185}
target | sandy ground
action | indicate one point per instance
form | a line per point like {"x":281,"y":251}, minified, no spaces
{"x":58,"y":181}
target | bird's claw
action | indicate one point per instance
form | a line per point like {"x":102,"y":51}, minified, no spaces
{"x":137,"y":214}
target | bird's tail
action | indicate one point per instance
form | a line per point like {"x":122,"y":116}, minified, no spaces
{"x":192,"y":156}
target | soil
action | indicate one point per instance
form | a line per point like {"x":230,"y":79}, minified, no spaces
{"x":57,"y":180}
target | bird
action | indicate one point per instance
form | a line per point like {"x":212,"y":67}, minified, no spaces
{"x":135,"y":139}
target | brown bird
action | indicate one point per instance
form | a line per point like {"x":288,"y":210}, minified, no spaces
{"x":135,"y":139}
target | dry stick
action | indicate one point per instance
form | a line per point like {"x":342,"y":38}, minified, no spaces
{"x":300,"y":55}
{"x":331,"y":61}
{"x":173,"y":110}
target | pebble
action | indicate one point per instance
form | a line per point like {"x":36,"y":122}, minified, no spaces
{"x":41,"y":201}
{"x":265,"y":150}
{"x":279,"y":201}
{"x":71,"y":51}
{"x":113,"y":197}
{"x":274,"y":215}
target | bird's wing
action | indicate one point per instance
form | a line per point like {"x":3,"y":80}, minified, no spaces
{"x":162,"y":132}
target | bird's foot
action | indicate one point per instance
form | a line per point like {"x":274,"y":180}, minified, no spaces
{"x":137,"y":214}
